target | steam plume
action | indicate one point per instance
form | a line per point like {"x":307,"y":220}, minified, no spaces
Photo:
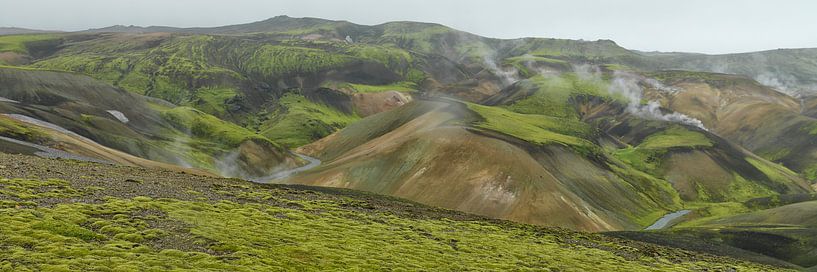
{"x":626,"y":84}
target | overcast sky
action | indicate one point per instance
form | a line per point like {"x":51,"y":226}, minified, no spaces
{"x":705,"y":26}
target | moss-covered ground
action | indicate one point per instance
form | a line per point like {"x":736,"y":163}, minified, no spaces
{"x":18,"y":43}
{"x":66,"y":215}
{"x":302,"y":121}
{"x":648,"y":155}
{"x":363,"y":88}
{"x":675,"y":136}
{"x":534,"y":128}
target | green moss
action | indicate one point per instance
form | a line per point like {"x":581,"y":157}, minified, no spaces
{"x":675,"y":136}
{"x":34,"y":189}
{"x":278,"y":61}
{"x":811,"y":128}
{"x":537,"y":129}
{"x":13,"y":129}
{"x":707,"y":211}
{"x":303,"y":121}
{"x":524,"y":63}
{"x":18,"y":43}
{"x":774,"y":172}
{"x":619,"y":67}
{"x":708,"y":77}
{"x":202,"y":125}
{"x":414,"y":36}
{"x":305,"y":232}
{"x":394,"y":58}
{"x":532,"y":58}
{"x":776,"y":155}
{"x":172,"y":70}
{"x":553,"y":94}
{"x":99,"y":67}
{"x":213,"y":100}
{"x":811,"y":173}
{"x":646,"y":160}
{"x":656,"y":190}
{"x":741,"y":189}
{"x":415,"y":76}
{"x":474,"y":50}
{"x":66,"y":229}
{"x":362,"y":88}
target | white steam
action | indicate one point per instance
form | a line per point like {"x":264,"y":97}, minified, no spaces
{"x":507,"y":75}
{"x":587,"y":72}
{"x":182,"y":146}
{"x":655,"y":84}
{"x":780,"y":82}
{"x":626,"y":85}
{"x":227,"y":165}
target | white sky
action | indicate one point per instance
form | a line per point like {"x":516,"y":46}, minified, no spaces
{"x":706,"y":26}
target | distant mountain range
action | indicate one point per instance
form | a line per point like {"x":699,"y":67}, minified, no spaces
{"x":17,"y":30}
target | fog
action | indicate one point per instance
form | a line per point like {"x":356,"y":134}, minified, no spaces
{"x":689,"y":26}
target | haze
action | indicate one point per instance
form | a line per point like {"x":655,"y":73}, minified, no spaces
{"x":688,"y":26}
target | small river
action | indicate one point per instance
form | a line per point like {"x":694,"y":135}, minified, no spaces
{"x":313,"y":162}
{"x":667,"y":219}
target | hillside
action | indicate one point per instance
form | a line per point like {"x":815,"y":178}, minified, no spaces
{"x":20,"y":30}
{"x":518,"y":166}
{"x":785,"y":233}
{"x":86,"y":117}
{"x":123,"y":218}
{"x":409,"y":152}
{"x":791,"y":71}
{"x":754,"y":116}
{"x":582,"y":135}
{"x":250,"y":78}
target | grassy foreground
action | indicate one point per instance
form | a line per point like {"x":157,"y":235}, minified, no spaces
{"x":58,"y":215}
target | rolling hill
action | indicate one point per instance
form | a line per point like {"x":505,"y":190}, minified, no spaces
{"x":585,"y":135}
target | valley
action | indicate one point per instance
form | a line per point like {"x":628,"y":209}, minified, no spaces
{"x":312,"y":143}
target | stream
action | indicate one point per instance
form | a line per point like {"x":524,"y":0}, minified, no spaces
{"x":313,"y":162}
{"x":667,"y":219}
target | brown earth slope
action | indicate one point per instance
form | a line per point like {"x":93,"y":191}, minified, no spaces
{"x":425,"y":151}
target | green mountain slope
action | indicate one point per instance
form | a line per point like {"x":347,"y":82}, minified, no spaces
{"x":751,"y":115}
{"x":412,"y":151}
{"x":584,"y":149}
{"x":89,"y":110}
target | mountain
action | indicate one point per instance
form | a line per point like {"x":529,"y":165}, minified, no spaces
{"x":757,"y":117}
{"x":791,"y":71}
{"x":507,"y":162}
{"x":88,"y":111}
{"x":18,"y":30}
{"x":409,"y":152}
{"x":585,"y":135}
